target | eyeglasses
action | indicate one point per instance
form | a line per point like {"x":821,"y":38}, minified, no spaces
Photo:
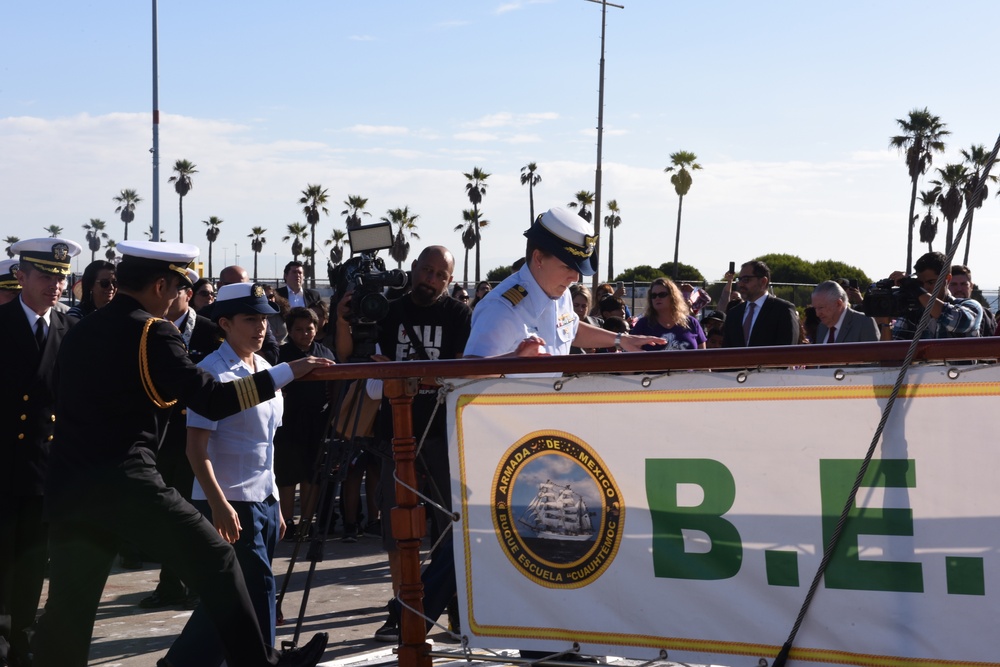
{"x":105,"y":283}
{"x":659,"y":295}
{"x":206,"y":293}
{"x":464,"y":297}
{"x":746,"y":279}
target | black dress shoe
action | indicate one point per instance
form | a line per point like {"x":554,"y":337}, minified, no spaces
{"x":307,"y":656}
{"x":158,"y":600}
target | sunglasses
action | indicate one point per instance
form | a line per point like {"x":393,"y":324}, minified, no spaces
{"x":659,"y":295}
{"x":206,"y":293}
{"x":464,"y":297}
{"x":105,"y":283}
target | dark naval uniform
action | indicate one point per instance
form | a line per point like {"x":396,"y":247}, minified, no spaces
{"x":119,"y":371}
{"x":27,"y":424}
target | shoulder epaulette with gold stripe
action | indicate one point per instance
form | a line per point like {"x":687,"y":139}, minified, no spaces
{"x":515,"y":294}
{"x":147,"y":379}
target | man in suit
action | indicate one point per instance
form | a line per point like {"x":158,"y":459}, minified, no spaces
{"x":32,"y":332}
{"x":294,"y":291}
{"x":120,"y":372}
{"x":761,"y":319}
{"x":838,"y":323}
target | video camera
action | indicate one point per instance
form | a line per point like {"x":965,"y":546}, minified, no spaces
{"x":885,"y":299}
{"x":366,"y":276}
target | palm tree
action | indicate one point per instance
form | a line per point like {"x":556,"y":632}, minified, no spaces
{"x":611,"y":222}
{"x":149,"y":235}
{"x":681,"y":161}
{"x":975,"y":158}
{"x":127,"y":200}
{"x":407,"y":225}
{"x":95,"y":232}
{"x":584,"y":198}
{"x":355,"y":209}
{"x":54,"y":230}
{"x":929,"y":225}
{"x":257,"y":244}
{"x":313,"y":202}
{"x":10,"y":240}
{"x":468,"y":229}
{"x":476,"y":189}
{"x":182,"y":185}
{"x":531,"y":178}
{"x":954,"y":177}
{"x":922,"y":136}
{"x":110,"y":252}
{"x":337,"y":239}
{"x":296,"y":232}
{"x":212,"y":234}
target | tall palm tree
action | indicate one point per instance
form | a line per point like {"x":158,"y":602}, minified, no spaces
{"x":337,"y":239}
{"x":923,"y":135}
{"x":355,"y":209}
{"x":296,"y":232}
{"x":953,"y":177}
{"x":584,"y":198}
{"x":407,"y":224}
{"x":929,"y":225}
{"x":257,"y":245}
{"x":109,"y":250}
{"x":681,"y":161}
{"x":313,"y":202}
{"x":182,"y":185}
{"x":975,"y":158}
{"x":612,"y":221}
{"x":54,"y":230}
{"x":127,"y":200}
{"x":476,"y":189}
{"x":149,"y":235}
{"x":10,"y":240}
{"x":95,"y":232}
{"x":468,"y":229}
{"x":212,"y":234}
{"x":531,"y":178}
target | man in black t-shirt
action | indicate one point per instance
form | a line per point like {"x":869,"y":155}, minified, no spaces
{"x":424,"y":324}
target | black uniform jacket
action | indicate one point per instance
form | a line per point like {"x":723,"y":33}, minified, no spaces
{"x":113,"y":384}
{"x":27,"y":415}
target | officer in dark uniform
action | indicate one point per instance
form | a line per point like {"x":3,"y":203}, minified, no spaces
{"x":119,"y":372}
{"x":10,"y":289}
{"x":32,"y":331}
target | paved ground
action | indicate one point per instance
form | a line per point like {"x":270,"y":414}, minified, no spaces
{"x":347,"y":598}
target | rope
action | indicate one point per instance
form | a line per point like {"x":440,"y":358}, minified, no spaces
{"x":925,"y":318}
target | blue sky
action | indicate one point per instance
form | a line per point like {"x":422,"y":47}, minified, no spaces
{"x":788,"y":105}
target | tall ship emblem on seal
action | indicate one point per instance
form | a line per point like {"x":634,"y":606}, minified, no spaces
{"x":558,"y":513}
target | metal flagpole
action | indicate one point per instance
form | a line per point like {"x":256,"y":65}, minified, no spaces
{"x":155,"y":150}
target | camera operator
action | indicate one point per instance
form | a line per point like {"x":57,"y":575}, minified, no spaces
{"x":950,"y":317}
{"x":423,"y":324}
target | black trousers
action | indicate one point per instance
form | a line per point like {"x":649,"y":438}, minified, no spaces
{"x":23,"y":554}
{"x":132,"y":502}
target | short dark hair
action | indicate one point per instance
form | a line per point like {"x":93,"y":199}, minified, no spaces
{"x":934,"y":261}
{"x":294,"y":264}
{"x":759,"y":268}
{"x":300,"y":313}
{"x":962,"y":270}
{"x":611,"y":302}
{"x":135,"y":277}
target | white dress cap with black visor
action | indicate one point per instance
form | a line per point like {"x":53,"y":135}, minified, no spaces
{"x":565,"y":234}
{"x":8,"y":275}
{"x":49,"y":255}
{"x":153,"y":256}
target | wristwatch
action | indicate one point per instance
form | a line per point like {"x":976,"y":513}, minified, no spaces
{"x":618,"y":343}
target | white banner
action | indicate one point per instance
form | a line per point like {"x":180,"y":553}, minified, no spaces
{"x":690,"y":515}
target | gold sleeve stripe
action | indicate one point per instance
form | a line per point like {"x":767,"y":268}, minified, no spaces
{"x":144,"y":374}
{"x":246,"y":392}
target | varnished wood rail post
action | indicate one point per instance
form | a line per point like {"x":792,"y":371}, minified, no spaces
{"x":409,"y":523}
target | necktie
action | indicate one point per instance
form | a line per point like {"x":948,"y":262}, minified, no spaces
{"x":40,"y":333}
{"x":748,"y":322}
{"x":832,"y":336}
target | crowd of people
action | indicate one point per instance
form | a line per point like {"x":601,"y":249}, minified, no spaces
{"x":196,"y":459}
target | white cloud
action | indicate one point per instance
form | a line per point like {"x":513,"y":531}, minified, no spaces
{"x":382,"y":130}
{"x":475,"y":136}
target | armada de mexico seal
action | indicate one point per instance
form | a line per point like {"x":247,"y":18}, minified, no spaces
{"x":557,"y":511}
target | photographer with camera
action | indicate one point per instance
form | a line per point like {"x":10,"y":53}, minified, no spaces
{"x":424,"y":324}
{"x":908,"y":296}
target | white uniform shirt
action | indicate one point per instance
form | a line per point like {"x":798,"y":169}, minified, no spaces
{"x":241,"y":446}
{"x":518,"y":308}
